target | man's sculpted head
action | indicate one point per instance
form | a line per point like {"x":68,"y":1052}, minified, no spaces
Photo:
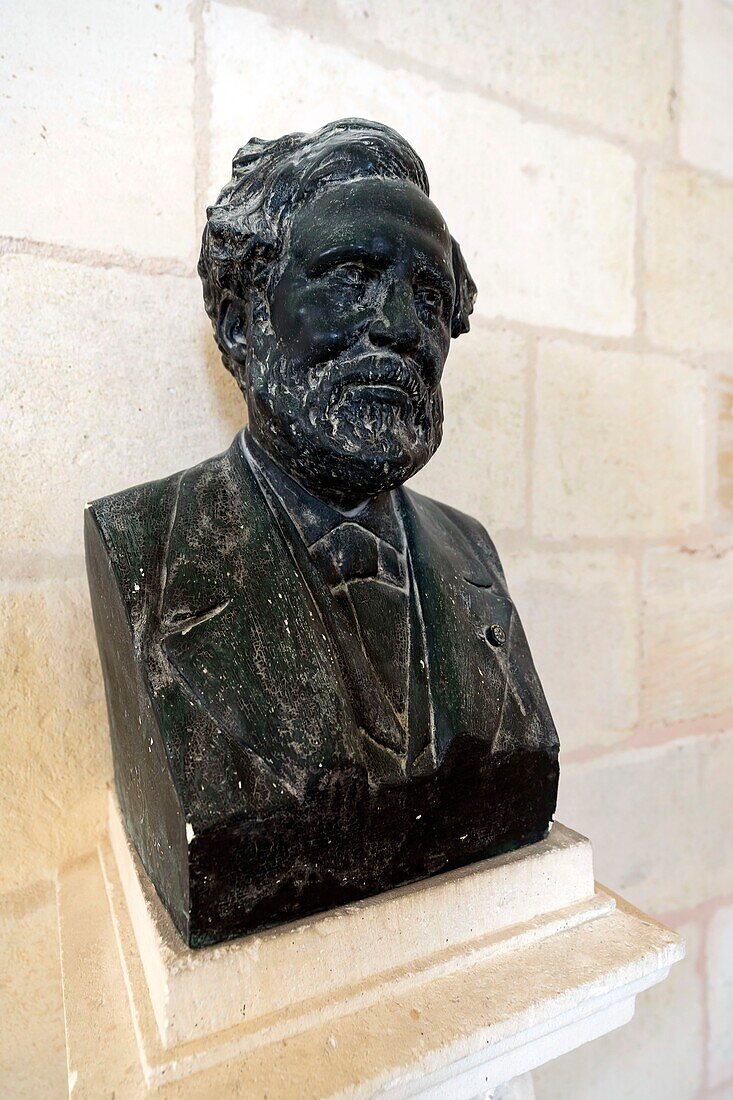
{"x":334,"y":288}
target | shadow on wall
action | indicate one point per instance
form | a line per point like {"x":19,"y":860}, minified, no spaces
{"x":230,"y":404}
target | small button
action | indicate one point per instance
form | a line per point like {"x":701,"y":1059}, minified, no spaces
{"x":495,"y":634}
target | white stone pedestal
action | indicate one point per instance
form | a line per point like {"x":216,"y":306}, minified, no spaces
{"x":451,"y":987}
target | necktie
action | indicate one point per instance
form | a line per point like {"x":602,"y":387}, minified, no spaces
{"x":370,"y":576}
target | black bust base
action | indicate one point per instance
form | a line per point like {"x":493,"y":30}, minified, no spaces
{"x":348,"y":841}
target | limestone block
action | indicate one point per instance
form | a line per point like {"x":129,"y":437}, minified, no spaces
{"x":531,"y":993}
{"x":96,"y":133}
{"x":706,"y":93}
{"x":32,"y":1049}
{"x":609,"y":64}
{"x":687,"y":632}
{"x":97,"y":1032}
{"x":101,"y":1042}
{"x":579,"y":609}
{"x":108,"y":378}
{"x":519,"y":1088}
{"x":720,"y":995}
{"x":480,"y":467}
{"x":511,"y":190}
{"x":620,"y":443}
{"x":459,"y":1038}
{"x":427,"y":928}
{"x":54,"y":754}
{"x":658,"y":1054}
{"x":659,"y":819}
{"x":725,"y":450}
{"x":688,"y":260}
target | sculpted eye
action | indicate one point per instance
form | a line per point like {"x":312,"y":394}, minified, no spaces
{"x":350,"y":275}
{"x":428,"y":299}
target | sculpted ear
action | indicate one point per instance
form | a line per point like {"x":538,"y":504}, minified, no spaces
{"x":465,"y":292}
{"x":232,"y":329}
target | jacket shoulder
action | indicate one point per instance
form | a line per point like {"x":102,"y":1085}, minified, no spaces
{"x":118,"y":514}
{"x":130,"y":521}
{"x":130,"y":529}
{"x":464,"y":529}
{"x":124,"y":539}
{"x":134,"y":516}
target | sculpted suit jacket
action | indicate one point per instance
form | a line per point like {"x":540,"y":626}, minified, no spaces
{"x":243,"y":719}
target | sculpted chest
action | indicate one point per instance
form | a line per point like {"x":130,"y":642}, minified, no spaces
{"x":256,"y":638}
{"x":241,"y":661}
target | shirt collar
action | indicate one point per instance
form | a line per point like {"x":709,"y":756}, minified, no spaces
{"x":314,"y":518}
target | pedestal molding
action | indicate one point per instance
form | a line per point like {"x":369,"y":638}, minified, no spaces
{"x":428,"y":928}
{"x":450,"y":1026}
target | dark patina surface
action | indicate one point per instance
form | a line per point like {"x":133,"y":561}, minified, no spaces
{"x":318,"y":686}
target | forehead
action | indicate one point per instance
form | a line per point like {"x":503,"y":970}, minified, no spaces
{"x":385,"y":216}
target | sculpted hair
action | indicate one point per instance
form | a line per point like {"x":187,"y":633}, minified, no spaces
{"x":246,"y":226}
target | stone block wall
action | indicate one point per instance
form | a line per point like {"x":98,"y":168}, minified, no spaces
{"x":582,"y":152}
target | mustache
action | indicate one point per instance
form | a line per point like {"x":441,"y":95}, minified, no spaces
{"x":378,"y":369}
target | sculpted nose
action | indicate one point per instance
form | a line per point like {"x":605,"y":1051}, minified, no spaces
{"x":396,"y":325}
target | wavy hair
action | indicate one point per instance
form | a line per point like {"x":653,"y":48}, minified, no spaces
{"x":246,"y":226}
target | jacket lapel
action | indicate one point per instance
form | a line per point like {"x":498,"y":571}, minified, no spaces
{"x":241,"y":630}
{"x":460,"y":597}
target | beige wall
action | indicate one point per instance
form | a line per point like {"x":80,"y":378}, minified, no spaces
{"x":582,"y":152}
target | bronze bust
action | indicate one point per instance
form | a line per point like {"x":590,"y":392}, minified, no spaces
{"x":318,"y":686}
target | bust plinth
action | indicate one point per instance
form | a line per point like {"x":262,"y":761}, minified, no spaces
{"x":448,"y":987}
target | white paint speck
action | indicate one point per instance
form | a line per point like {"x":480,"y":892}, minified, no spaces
{"x":190,"y":834}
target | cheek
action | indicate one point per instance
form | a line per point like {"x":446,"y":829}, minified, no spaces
{"x":437,"y":346}
{"x":311,"y":326}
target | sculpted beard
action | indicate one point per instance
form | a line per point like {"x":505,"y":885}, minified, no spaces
{"x":331,"y":423}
